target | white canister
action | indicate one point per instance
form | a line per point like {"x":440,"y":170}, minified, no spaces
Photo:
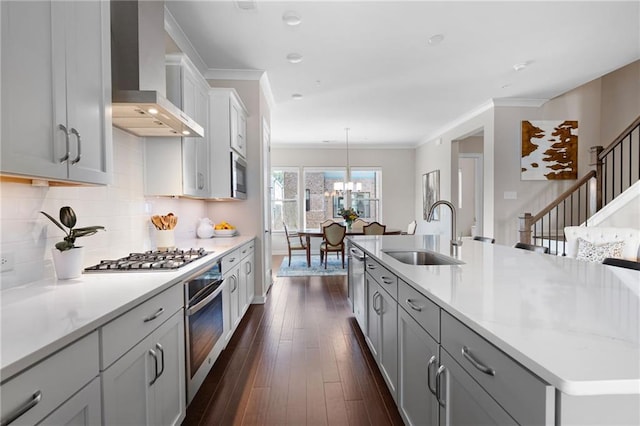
{"x":165,"y":240}
{"x":205,"y":228}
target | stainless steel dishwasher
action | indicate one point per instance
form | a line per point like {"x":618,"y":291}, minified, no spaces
{"x":356,"y":286}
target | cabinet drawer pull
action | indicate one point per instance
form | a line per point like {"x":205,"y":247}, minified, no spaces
{"x":441,"y":371}
{"x":386,"y":280}
{"x":414,"y":306}
{"x":155,"y":366}
{"x":77,"y":134}
{"x":477,"y":364}
{"x":233,"y":259}
{"x":161,"y":349}
{"x":154,"y":315}
{"x":370,"y":266}
{"x":66,"y":138}
{"x":11,"y":417}
{"x":430,"y":364}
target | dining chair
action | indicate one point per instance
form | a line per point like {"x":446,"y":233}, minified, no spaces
{"x":531,"y":247}
{"x":293,"y":243}
{"x":333,"y":242}
{"x":411,"y":229}
{"x":374,"y":228}
{"x":485,"y":239}
{"x":622,"y":263}
{"x":359,"y":224}
{"x":326,"y":223}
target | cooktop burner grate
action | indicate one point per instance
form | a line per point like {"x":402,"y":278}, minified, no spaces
{"x":150,"y":261}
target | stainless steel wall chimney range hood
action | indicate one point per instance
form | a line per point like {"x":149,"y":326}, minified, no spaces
{"x":139,"y":105}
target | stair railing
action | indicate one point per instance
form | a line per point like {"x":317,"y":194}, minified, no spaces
{"x":617,"y":167}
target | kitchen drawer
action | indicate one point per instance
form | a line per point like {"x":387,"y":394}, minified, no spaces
{"x":246,"y":249}
{"x":525,"y":397}
{"x":56,"y":378}
{"x":423,"y":310}
{"x":383,"y":276}
{"x":230,"y":260}
{"x":127,"y":330}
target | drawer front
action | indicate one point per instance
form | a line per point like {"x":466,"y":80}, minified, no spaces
{"x":230,"y":260}
{"x":525,"y":397}
{"x":55,"y":379}
{"x":246,"y":249}
{"x":127,"y":330}
{"x":383,"y":276}
{"x":423,"y":310}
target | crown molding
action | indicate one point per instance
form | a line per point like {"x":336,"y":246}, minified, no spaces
{"x":335,"y":146}
{"x":519,"y":102}
{"x":224,"y":74}
{"x":182,"y":41}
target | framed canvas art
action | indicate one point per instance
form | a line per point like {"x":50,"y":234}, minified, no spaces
{"x":549,"y":150}
{"x":430,"y":193}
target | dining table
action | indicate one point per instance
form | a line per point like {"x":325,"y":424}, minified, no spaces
{"x":307,"y":233}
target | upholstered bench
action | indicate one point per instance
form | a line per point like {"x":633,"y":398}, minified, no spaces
{"x":595,"y":243}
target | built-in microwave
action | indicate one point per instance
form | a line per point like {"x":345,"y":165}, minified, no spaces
{"x":238,"y":176}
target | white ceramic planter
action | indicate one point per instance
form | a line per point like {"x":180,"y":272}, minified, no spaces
{"x":68,"y":263}
{"x":165,"y":240}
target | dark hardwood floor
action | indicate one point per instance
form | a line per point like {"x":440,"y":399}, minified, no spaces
{"x":298,"y":359}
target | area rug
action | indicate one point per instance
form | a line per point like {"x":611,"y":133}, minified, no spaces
{"x":299,"y":266}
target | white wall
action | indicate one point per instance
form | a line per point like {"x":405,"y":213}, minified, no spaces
{"x":120,"y":207}
{"x":397,"y":207}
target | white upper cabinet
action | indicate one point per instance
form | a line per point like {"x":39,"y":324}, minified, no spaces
{"x":230,"y":117}
{"x":180,"y":166}
{"x":56,"y":91}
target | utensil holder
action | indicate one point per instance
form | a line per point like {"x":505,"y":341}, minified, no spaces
{"x":165,"y":240}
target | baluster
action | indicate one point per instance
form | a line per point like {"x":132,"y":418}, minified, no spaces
{"x":557,"y":227}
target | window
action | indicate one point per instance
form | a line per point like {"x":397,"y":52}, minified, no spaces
{"x":284,"y":198}
{"x":319,"y":182}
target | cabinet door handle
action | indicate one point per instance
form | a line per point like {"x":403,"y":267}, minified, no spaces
{"x":430,"y":364}
{"x":77,"y":134}
{"x":11,"y":417}
{"x":248,"y":268}
{"x":235,"y":283}
{"x":414,"y":306}
{"x":161,"y":349}
{"x":477,"y":364}
{"x":66,"y":137}
{"x":386,"y":280}
{"x":155,"y":315}
{"x":441,"y":371}
{"x":155,"y":366}
{"x":200,"y":180}
{"x":377,"y":296}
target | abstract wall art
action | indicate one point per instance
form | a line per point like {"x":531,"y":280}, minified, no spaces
{"x":549,"y":150}
{"x":430,"y":193}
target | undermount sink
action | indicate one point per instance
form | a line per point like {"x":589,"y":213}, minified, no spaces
{"x":421,"y":257}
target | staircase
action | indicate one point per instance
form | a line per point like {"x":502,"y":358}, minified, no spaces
{"x":616,"y":171}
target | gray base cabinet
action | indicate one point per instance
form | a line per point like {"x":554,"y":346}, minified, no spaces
{"x":82,"y":409}
{"x":417,"y":361}
{"x":464,"y":402}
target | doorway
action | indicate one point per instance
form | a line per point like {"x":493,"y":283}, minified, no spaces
{"x":470,"y":184}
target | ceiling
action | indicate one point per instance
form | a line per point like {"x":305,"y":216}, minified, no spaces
{"x":369,"y":65}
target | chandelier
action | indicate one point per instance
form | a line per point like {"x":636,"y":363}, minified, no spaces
{"x":348,"y":185}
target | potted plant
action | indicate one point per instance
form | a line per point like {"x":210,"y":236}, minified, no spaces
{"x":67,"y":257}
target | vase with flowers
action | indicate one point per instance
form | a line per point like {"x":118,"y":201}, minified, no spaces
{"x":349,"y":215}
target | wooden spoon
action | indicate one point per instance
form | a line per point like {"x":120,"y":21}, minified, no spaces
{"x":165,"y":222}
{"x":157,"y":222}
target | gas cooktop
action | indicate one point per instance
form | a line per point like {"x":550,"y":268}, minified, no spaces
{"x":150,"y":261}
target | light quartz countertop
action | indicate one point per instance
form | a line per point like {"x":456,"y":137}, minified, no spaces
{"x":575,"y":324}
{"x":42,"y":317}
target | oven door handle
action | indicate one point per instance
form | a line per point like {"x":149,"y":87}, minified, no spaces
{"x":198,"y":306}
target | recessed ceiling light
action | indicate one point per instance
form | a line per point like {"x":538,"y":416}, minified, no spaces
{"x":435,"y":39}
{"x":294,"y":58}
{"x":246,"y":4}
{"x":186,"y":132}
{"x":152,"y":111}
{"x":326,"y":141}
{"x":291,"y":18}
{"x":506,"y":86}
{"x":296,"y":96}
{"x":520,"y":66}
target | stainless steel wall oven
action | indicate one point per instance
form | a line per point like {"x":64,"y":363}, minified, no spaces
{"x":204,"y":324}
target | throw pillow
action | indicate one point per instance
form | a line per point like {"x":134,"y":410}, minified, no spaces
{"x":598,"y":252}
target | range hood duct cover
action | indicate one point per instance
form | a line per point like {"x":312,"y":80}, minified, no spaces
{"x":139,"y":103}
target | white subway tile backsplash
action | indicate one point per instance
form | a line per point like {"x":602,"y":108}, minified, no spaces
{"x":120,"y":207}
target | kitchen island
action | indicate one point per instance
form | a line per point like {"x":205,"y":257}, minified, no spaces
{"x":573,"y":326}
{"x":53,"y":331}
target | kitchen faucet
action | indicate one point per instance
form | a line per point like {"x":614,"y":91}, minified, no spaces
{"x":455,"y":242}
